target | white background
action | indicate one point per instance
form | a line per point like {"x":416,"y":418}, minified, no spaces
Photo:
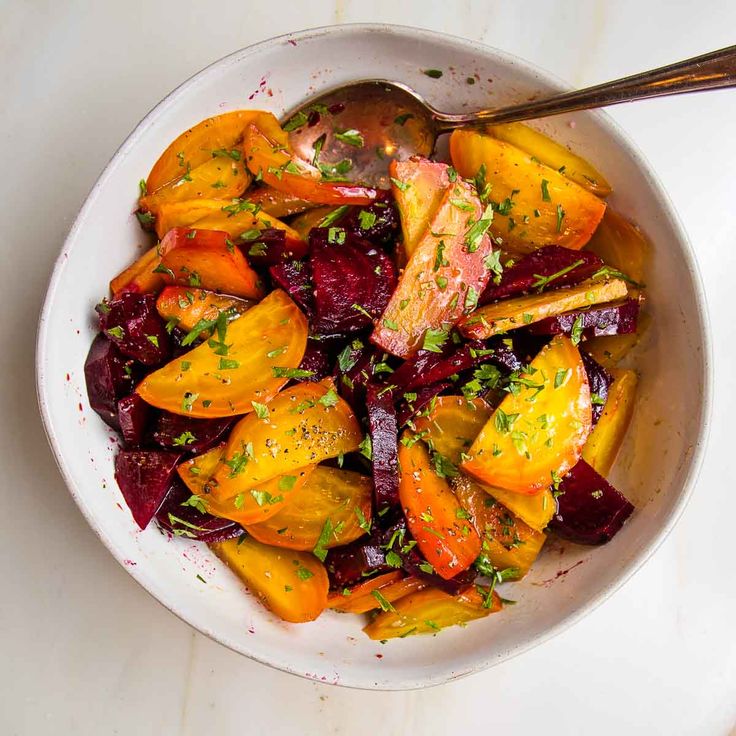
{"x":84,"y":650}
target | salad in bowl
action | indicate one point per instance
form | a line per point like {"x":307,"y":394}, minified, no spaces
{"x":376,"y":401}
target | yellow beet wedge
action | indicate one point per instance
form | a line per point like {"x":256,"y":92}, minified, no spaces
{"x":605,"y":440}
{"x":537,"y":432}
{"x":245,"y":361}
{"x":508,"y":314}
{"x":428,"y":611}
{"x":552,"y":154}
{"x":291,"y":584}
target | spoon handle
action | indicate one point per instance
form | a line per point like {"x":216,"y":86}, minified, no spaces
{"x":715,"y":70}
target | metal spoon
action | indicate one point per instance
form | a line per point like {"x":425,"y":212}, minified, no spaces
{"x":353,"y":132}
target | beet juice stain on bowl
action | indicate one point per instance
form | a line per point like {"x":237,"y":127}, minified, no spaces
{"x":378,"y":402}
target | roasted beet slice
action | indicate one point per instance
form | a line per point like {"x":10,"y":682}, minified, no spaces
{"x":133,"y":416}
{"x":377,"y":222}
{"x":295,"y":279}
{"x":187,"y":434}
{"x":384,"y":434}
{"x":355,"y":369}
{"x":353,"y":281}
{"x":411,"y":404}
{"x":589,"y":509}
{"x":133,"y":324}
{"x":272,"y":246}
{"x":144,"y":477}
{"x":426,"y":368}
{"x":416,"y":565}
{"x":109,"y":376}
{"x":178,"y":516}
{"x":317,"y":360}
{"x":601,"y":321}
{"x":599,"y":380}
{"x":546,"y":268}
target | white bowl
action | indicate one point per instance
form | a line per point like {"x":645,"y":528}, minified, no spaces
{"x":656,"y":468}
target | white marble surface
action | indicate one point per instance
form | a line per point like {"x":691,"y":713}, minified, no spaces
{"x":84,"y":650}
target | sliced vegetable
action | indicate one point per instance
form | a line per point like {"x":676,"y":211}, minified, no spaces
{"x":427,"y":367}
{"x":347,"y":599}
{"x":316,"y":363}
{"x":144,"y":477}
{"x":620,"y":318}
{"x":254,"y":505}
{"x":270,"y":246}
{"x":452,"y":424}
{"x":622,"y":246}
{"x":133,"y":415}
{"x":352,"y":284}
{"x":108,"y":376}
{"x":413,"y":403}
{"x":549,"y":267}
{"x":534,"y":204}
{"x":267,"y":155}
{"x":384,"y":438}
{"x":208,"y":259}
{"x":599,"y":381}
{"x":215,"y":137}
{"x":304,"y":223}
{"x":418,"y":185}
{"x":605,"y":440}
{"x":538,"y":431}
{"x":279,"y":204}
{"x":507,"y":542}
{"x":183,"y":515}
{"x":552,"y":154}
{"x":197,"y":472}
{"x":245,"y":361}
{"x":174,"y":431}
{"x":611,"y":350}
{"x":185,"y":307}
{"x":291,"y":584}
{"x":536,"y":510}
{"x":235,"y":217}
{"x":131,"y":322}
{"x":304,"y":424}
{"x":220,"y":177}
{"x":590,"y":510}
{"x":429,"y":611}
{"x":443,"y":279}
{"x":432,"y":511}
{"x":510,"y":314}
{"x":360,"y":600}
{"x":295,"y":278}
{"x":141,"y":277}
{"x":327,"y":511}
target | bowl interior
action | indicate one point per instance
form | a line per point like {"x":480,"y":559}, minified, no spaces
{"x":654,"y":468}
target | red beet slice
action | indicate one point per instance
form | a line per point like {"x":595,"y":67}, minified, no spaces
{"x":353,"y":282}
{"x":187,"y":434}
{"x":599,"y":380}
{"x":133,"y":414}
{"x":179,"y":518}
{"x":384,"y":434}
{"x":426,"y":368}
{"x":406,"y":409}
{"x":295,"y":279}
{"x":272,"y":246}
{"x":133,"y":324}
{"x":317,"y":360}
{"x":144,"y":477}
{"x":602,"y":321}
{"x":416,"y":565}
{"x":377,"y":222}
{"x":589,"y":509}
{"x":356,"y":367}
{"x":538,"y":270}
{"x":109,"y":376}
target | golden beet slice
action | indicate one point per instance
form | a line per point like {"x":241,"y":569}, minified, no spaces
{"x":291,"y":584}
{"x":537,"y":432}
